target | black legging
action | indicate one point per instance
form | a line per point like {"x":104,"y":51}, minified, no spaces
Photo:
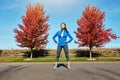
{"x":59,"y":48}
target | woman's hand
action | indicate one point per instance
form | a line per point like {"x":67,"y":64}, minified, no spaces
{"x":58,"y":42}
{"x":66,"y":42}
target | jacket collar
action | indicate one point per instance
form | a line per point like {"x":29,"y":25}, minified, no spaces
{"x":61,"y":31}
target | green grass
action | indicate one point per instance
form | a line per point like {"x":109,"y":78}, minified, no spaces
{"x":49,"y":59}
{"x":108,"y":59}
{"x":20,"y":56}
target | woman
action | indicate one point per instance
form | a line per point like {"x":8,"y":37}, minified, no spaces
{"x":62,"y":43}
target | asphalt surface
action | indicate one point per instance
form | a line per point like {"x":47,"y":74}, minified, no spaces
{"x":44,"y":71}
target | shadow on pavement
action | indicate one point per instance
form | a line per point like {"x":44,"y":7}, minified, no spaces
{"x":62,"y":65}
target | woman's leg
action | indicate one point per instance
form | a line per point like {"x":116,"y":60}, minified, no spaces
{"x":59,"y":48}
{"x":67,"y":55}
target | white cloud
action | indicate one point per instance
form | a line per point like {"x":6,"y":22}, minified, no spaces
{"x":60,"y":2}
{"x":56,"y":4}
{"x":5,"y":37}
{"x":112,"y":45}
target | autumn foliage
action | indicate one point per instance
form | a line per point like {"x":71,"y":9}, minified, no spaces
{"x":33,"y":31}
{"x":91,"y":31}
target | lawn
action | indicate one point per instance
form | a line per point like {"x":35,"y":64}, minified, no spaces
{"x":49,"y":55}
{"x":48,"y":59}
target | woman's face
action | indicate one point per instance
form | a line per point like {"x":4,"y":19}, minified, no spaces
{"x":63,"y":26}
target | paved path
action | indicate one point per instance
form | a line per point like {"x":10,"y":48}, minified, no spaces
{"x":43,"y":71}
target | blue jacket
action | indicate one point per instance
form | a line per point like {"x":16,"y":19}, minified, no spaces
{"x":62,"y":41}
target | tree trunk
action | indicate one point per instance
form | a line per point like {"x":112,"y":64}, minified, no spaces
{"x":31,"y":55}
{"x":90,"y":53}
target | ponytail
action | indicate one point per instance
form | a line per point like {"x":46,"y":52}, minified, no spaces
{"x":66,"y":30}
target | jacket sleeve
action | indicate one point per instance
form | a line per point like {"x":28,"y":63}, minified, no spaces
{"x":55,"y":37}
{"x":71,"y":38}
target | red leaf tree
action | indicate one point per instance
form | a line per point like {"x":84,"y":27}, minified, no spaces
{"x":33,"y":32}
{"x":91,"y":31}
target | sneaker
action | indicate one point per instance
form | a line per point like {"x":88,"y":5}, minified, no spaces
{"x":55,"y":67}
{"x":69,"y":68}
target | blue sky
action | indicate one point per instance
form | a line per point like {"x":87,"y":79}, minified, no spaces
{"x":67,"y":11}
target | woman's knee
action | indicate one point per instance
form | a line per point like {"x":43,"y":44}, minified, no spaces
{"x":57,"y":56}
